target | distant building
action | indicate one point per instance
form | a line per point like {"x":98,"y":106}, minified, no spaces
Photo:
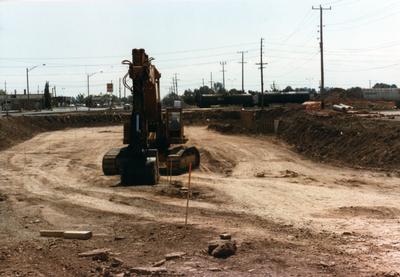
{"x":22,"y":102}
{"x":35,"y":101}
{"x":385,"y":94}
{"x":61,"y":101}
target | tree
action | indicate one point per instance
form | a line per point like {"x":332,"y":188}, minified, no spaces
{"x":219,"y":88}
{"x":47,"y":97}
{"x":168,"y":100}
{"x":80,"y":99}
{"x":383,"y":85}
{"x":89,"y":101}
{"x":274,"y":87}
{"x":2,"y":92}
{"x":235,"y":92}
{"x":355,"y":92}
{"x":288,"y":89}
{"x":189,"y":97}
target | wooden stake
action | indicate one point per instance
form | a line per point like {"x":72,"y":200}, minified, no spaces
{"x":170,"y":171}
{"x":188,"y":195}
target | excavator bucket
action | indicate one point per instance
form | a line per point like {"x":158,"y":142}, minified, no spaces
{"x":179,"y":159}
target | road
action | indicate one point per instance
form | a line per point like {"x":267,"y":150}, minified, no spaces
{"x":265,"y":190}
{"x":55,"y":111}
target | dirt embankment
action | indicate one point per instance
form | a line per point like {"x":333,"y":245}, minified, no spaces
{"x":338,"y":138}
{"x":14,"y":130}
{"x":350,"y":139}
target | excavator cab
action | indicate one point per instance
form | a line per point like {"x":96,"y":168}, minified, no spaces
{"x":174,"y":124}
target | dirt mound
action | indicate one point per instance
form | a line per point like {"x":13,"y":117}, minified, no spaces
{"x":223,"y":128}
{"x":349,"y":139}
{"x":16,"y":129}
{"x":216,"y":162}
{"x":3,"y":197}
{"x":205,"y":116}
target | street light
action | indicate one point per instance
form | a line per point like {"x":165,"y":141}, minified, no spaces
{"x":88,"y":76}
{"x":27,"y":76}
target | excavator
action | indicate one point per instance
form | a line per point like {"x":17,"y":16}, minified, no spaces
{"x":155,"y":138}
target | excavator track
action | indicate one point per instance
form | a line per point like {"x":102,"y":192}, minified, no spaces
{"x":133,"y":171}
{"x":176,"y":162}
{"x":110,"y":162}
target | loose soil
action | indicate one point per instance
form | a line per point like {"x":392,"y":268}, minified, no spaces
{"x":290,"y":216}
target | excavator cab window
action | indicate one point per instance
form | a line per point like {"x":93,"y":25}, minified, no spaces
{"x":174,"y":121}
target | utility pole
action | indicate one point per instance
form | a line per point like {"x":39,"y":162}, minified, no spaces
{"x":261,"y":64}
{"x":5,"y":91}
{"x":211,"y":81}
{"x":176,"y":83}
{"x":27,"y":77}
{"x":321,"y":44}
{"x":27,"y":82}
{"x":173,"y":85}
{"x":223,"y":74}
{"x":119,"y":89}
{"x":203,"y":82}
{"x":242,"y":62}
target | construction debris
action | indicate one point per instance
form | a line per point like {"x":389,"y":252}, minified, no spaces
{"x":101,"y":255}
{"x":115,"y":262}
{"x":225,"y":236}
{"x":52,"y":233}
{"x":312,"y":105}
{"x":94,"y":253}
{"x":222,"y":248}
{"x":260,"y":174}
{"x":174,"y":255}
{"x":84,"y":235}
{"x":149,"y":270}
{"x":342,"y":108}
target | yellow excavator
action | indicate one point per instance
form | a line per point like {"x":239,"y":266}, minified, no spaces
{"x":155,"y":138}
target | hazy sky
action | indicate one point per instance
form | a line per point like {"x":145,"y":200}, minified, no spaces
{"x":191,"y":37}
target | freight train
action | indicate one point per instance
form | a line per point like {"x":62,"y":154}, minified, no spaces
{"x":247,"y":100}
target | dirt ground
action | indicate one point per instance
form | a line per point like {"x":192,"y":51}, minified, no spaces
{"x":290,"y":216}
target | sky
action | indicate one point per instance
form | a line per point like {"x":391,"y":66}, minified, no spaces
{"x":191,"y":37}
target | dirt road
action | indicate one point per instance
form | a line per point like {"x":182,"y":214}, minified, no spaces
{"x":291,"y":216}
